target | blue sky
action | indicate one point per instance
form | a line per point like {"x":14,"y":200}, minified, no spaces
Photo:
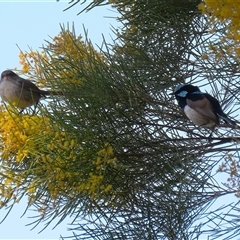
{"x":27,"y":24}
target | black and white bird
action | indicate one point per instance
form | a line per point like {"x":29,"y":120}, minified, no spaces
{"x":201,"y":108}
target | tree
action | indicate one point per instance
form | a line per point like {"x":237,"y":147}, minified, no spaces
{"x":127,"y":163}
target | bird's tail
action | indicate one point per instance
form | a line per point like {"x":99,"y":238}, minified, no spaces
{"x":227,"y":120}
{"x":55,"y":92}
{"x":51,"y":92}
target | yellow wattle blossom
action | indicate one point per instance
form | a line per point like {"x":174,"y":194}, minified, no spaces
{"x":67,"y":50}
{"x":224,"y":13}
{"x":42,"y":158}
{"x":30,"y":62}
{"x":37,"y":156}
{"x":231,"y":166}
{"x":105,"y":157}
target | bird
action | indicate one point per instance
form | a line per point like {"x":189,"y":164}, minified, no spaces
{"x":20,"y":92}
{"x":201,"y":108}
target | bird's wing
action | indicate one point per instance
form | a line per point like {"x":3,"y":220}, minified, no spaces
{"x":27,"y":85}
{"x":217,"y":108}
{"x":203,"y":107}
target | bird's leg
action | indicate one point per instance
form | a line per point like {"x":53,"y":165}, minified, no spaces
{"x":20,"y":112}
{"x":190,"y":132}
{"x":35,"y":107}
{"x":210,"y":136}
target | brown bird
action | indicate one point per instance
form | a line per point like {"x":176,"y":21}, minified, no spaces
{"x":20,"y":92}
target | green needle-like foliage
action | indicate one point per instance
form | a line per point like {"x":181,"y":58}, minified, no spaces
{"x":125,"y":161}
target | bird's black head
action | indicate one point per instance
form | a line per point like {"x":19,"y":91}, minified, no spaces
{"x":183,"y":90}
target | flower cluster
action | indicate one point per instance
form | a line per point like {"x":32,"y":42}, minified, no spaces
{"x":225,"y":14}
{"x":59,"y":59}
{"x":224,"y":11}
{"x":231,"y":166}
{"x":40,"y":158}
{"x":56,"y":157}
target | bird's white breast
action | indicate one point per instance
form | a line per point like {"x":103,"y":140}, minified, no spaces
{"x":8,"y":91}
{"x":16,"y":95}
{"x":198,"y":118}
